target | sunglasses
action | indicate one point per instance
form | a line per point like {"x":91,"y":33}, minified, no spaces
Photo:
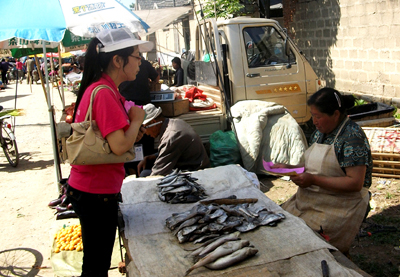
{"x":137,"y":57}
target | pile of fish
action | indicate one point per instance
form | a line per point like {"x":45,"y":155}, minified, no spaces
{"x":210,"y":219}
{"x":179,"y":187}
{"x":222,"y":252}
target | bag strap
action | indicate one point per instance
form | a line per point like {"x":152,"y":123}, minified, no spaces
{"x":94,"y":92}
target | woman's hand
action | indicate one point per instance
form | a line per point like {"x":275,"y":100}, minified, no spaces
{"x":136,"y":114}
{"x":303,"y":180}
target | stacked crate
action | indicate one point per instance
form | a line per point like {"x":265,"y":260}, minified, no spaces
{"x":385,"y":148}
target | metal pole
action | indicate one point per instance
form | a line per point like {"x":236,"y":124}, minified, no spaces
{"x":60,"y":73}
{"x":52,"y":123}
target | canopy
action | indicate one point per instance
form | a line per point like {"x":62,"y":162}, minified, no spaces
{"x":160,"y":18}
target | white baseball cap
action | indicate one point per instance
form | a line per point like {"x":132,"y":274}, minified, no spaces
{"x":151,"y":112}
{"x":116,"y":39}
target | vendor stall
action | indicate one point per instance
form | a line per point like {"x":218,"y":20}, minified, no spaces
{"x":290,"y":249}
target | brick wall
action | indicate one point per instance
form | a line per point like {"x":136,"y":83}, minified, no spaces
{"x":354,"y":45}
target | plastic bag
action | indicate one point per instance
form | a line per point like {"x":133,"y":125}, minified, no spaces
{"x":224,"y":149}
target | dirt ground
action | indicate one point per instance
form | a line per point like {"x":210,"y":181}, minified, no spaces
{"x":28,"y":225}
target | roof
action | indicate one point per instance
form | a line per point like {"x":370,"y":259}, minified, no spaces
{"x":161,"y":4}
{"x":245,"y":20}
{"x":160,"y":18}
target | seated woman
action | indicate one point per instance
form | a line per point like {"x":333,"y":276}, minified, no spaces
{"x":333,"y":190}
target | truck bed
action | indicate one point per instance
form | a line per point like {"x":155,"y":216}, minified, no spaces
{"x":208,"y":121}
{"x":205,"y":122}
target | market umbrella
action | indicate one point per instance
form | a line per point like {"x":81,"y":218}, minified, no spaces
{"x":47,"y":21}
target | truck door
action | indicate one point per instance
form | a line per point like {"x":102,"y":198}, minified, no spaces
{"x":271,"y":75}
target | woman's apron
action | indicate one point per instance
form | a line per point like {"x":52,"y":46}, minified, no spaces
{"x":339,"y":214}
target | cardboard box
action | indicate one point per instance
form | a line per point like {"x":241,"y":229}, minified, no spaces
{"x":173,"y":108}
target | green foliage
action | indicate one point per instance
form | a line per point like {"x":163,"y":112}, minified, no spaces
{"x":224,"y":8}
{"x":395,"y":114}
{"x":359,"y":102}
{"x":132,"y":6}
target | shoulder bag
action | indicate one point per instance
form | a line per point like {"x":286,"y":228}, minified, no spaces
{"x":86,"y":145}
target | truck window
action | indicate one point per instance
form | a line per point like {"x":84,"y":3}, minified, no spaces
{"x":265,"y":47}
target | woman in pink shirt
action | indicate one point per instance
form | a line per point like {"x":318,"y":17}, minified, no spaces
{"x":20,"y":76}
{"x":94,"y":190}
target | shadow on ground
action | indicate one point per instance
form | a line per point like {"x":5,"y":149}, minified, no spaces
{"x":20,"y":262}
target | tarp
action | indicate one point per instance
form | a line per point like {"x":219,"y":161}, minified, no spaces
{"x":160,"y":18}
{"x":156,"y":252}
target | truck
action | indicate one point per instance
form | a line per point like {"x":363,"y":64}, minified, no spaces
{"x":249,"y":59}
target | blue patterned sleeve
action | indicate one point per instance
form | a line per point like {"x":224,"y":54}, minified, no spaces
{"x":355,"y":151}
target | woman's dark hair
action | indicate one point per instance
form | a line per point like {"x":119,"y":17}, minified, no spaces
{"x":97,"y":62}
{"x":177,"y":61}
{"x":328,"y":100}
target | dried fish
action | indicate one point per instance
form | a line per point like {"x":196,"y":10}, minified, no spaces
{"x":221,"y":251}
{"x":233,"y":258}
{"x":246,"y":226}
{"x":187,"y":223}
{"x":221,"y":219}
{"x":179,"y":187}
{"x":218,"y":242}
{"x":206,"y":238}
{"x":268,"y":218}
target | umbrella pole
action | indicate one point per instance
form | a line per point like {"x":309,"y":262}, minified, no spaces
{"x":52,"y":123}
{"x":40,"y":75}
{"x":60,"y":72}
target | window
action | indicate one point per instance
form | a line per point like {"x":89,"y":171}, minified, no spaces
{"x":265,"y":47}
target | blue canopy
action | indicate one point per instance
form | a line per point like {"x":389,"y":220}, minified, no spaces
{"x":32,"y":20}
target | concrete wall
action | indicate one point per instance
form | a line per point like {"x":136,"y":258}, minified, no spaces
{"x":354,"y":45}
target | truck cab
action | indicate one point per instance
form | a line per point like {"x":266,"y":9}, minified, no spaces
{"x":256,"y":61}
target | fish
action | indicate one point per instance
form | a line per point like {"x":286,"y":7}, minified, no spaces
{"x":205,"y":238}
{"x":218,"y":242}
{"x":243,"y":209}
{"x":170,"y":176}
{"x":195,"y":252}
{"x":187,"y":223}
{"x":257,"y":210}
{"x":215,"y":227}
{"x":221,"y":219}
{"x":235,"y":257}
{"x":181,"y":189}
{"x":190,"y":229}
{"x":268,"y":218}
{"x":195,"y":211}
{"x":203,"y":244}
{"x":181,"y":237}
{"x":217,"y":213}
{"x":225,"y":249}
{"x":229,"y":225}
{"x":246,"y":226}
